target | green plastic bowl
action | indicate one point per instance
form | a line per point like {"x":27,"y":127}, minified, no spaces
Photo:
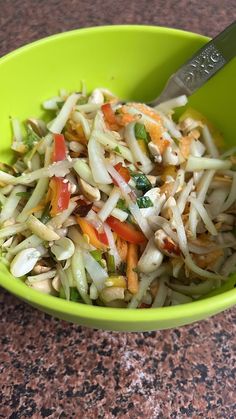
{"x":134,"y":62}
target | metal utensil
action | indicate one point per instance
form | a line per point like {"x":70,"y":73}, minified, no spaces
{"x":203,"y":65}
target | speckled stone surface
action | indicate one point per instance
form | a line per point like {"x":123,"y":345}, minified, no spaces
{"x":52,"y":369}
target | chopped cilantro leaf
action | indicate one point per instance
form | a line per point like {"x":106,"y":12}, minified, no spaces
{"x":82,"y":100}
{"x":144,"y":202}
{"x":60,"y":104}
{"x":141,"y":181}
{"x":121,"y":205}
{"x":23,"y":194}
{"x":117,"y":150}
{"x":75,"y":296}
{"x":140,"y":131}
{"x":122,"y":268}
{"x":31,"y":137}
{"x":46,"y":214}
{"x":97,"y":255}
{"x":111,"y":267}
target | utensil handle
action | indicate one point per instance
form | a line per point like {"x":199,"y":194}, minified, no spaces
{"x":207,"y":61}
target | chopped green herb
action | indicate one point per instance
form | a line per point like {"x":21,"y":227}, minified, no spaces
{"x":97,"y":255}
{"x":142,"y":182}
{"x":140,"y":131}
{"x":121,"y":205}
{"x":31,"y":137}
{"x":82,"y":100}
{"x":23,"y":194}
{"x":111,"y":267}
{"x":46,"y":214}
{"x":60,"y":104}
{"x":117,"y":150}
{"x":122,"y":268}
{"x":144,"y":202}
{"x":75,"y":295}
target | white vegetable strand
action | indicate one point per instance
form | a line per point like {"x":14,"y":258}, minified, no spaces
{"x":61,"y":119}
{"x":204,"y":215}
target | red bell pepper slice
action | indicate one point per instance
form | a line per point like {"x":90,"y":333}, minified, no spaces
{"x":123,"y":172}
{"x":108,"y":113}
{"x":59,"y":148}
{"x":60,"y":195}
{"x":102,"y":237}
{"x":126,"y":231}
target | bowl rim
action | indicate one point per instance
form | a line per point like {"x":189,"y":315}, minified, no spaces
{"x":97,"y":313}
{"x":118,"y":315}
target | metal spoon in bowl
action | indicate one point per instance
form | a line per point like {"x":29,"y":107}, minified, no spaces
{"x":201,"y":67}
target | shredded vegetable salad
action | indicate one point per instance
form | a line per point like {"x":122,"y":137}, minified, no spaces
{"x":117,"y":204}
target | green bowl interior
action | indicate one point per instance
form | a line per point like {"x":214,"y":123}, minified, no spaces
{"x":134,"y":62}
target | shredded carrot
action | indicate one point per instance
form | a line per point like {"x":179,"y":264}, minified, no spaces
{"x":132,"y":261}
{"x":147,"y":111}
{"x":110,"y":117}
{"x":124,"y":118}
{"x":89,"y":231}
{"x":155,"y":133}
{"x":112,"y":127}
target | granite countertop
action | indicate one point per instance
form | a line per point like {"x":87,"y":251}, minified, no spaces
{"x":53,"y":369}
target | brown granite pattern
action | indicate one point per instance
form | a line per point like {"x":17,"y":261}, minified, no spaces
{"x":52,"y":369}
{"x":22,"y":21}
